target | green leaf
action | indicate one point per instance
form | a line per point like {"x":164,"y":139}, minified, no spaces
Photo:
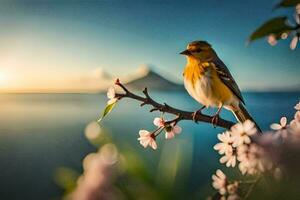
{"x":287,"y":3}
{"x":275,"y":26}
{"x":107,"y":110}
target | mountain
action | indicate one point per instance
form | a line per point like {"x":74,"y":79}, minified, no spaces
{"x":146,"y":77}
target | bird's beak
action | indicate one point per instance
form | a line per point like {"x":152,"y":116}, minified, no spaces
{"x":185,"y":52}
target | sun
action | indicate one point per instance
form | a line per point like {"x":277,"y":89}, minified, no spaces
{"x":3,"y":78}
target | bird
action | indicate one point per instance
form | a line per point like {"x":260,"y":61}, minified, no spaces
{"x":208,"y":80}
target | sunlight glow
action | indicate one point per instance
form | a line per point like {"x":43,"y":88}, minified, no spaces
{"x":4,"y":77}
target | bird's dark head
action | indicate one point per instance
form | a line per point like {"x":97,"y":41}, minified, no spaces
{"x":200,"y":50}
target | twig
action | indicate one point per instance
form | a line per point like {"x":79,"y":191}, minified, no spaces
{"x":165,"y":108}
{"x":252,"y":187}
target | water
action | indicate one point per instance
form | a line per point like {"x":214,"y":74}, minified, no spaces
{"x":40,"y":132}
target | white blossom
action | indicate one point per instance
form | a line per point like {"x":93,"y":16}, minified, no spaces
{"x":219,"y":182}
{"x":241,"y":133}
{"x":281,"y":128}
{"x":111,"y":95}
{"x":225,"y":146}
{"x":295,"y":127}
{"x":229,"y":159}
{"x":147,"y":139}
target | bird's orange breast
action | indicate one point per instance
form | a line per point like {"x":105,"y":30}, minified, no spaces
{"x":204,"y":84}
{"x":193,"y":73}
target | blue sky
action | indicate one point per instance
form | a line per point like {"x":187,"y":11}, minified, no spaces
{"x":45,"y":41}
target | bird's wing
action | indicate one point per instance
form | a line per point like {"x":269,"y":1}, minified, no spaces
{"x":227,"y":78}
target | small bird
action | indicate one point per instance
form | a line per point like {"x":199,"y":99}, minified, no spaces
{"x":208,"y":81}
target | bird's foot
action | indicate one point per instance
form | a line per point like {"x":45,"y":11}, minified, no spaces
{"x":215,"y":120}
{"x":196,"y":113}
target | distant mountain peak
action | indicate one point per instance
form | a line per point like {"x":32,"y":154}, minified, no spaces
{"x":147,"y":77}
{"x":143,"y":70}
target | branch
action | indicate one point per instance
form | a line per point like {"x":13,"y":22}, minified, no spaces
{"x":165,"y":108}
{"x":252,"y":187}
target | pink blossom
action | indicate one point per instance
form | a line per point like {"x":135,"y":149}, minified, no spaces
{"x":272,"y":40}
{"x":219,"y":182}
{"x":241,"y":133}
{"x":159,"y":122}
{"x":280,"y":128}
{"x":294,"y":42}
{"x":147,"y":139}
{"x":171,"y":130}
{"x":225,"y":146}
{"x":282,"y":125}
{"x":229,"y":159}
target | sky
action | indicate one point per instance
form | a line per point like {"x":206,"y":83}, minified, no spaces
{"x":56,"y":45}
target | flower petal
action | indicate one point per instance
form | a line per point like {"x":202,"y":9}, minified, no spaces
{"x":220,"y":174}
{"x":169,"y":135}
{"x":144,"y":133}
{"x":153,"y":144}
{"x":294,"y":42}
{"x":283,"y":121}
{"x":111,"y":93}
{"x":297,"y":106}
{"x":111,"y":101}
{"x":159,"y":122}
{"x":177,"y":129}
{"x":275,"y":126}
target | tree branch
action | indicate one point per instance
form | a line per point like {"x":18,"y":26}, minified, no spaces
{"x":165,"y":108}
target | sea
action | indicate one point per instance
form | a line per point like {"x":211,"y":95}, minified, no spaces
{"x":41,"y":132}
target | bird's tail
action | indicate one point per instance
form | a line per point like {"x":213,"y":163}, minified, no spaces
{"x":242,"y":115}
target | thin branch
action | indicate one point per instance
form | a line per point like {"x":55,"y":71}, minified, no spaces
{"x":165,"y":108}
{"x":252,"y":187}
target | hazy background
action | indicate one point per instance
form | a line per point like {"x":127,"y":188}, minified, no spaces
{"x":80,"y":47}
{"x":69,"y":45}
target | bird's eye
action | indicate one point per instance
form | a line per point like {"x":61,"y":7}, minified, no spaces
{"x":197,"y":50}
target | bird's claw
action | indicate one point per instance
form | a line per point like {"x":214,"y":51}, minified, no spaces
{"x":194,"y":116}
{"x":196,"y":113}
{"x":215,"y":120}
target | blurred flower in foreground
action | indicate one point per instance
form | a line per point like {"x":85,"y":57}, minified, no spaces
{"x":92,"y":130}
{"x":291,"y":31}
{"x":96,"y":181}
{"x":228,"y":191}
{"x":294,"y":42}
{"x":297,"y":106}
{"x":272,"y":39}
{"x":253,"y":159}
{"x":147,"y":139}
{"x":219,"y":182}
{"x":281,"y":128}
